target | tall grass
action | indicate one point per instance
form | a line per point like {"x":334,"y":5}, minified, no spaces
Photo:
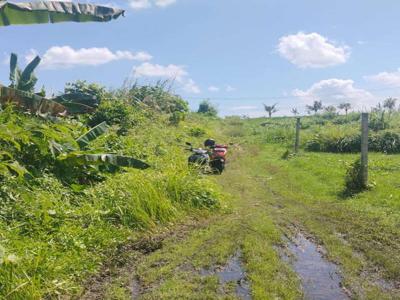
{"x":54,"y":235}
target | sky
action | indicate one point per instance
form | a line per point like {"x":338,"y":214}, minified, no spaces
{"x":239,"y":54}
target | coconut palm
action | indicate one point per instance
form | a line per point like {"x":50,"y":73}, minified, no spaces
{"x":271,"y":109}
{"x":315,"y":107}
{"x":43,"y":12}
{"x":295,"y":111}
{"x":345,"y":106}
{"x":390,"y":104}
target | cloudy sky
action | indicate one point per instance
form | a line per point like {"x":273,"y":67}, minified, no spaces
{"x":237,"y":53}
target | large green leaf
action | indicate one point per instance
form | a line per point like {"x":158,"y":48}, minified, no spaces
{"x":30,"y":102}
{"x":103,"y":159}
{"x":91,"y":135}
{"x":14,"y":71}
{"x":77,"y":108}
{"x":42,"y":12}
{"x":27,"y":80}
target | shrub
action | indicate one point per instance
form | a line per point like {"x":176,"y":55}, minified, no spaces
{"x":158,"y":97}
{"x":384,"y":141}
{"x":176,"y":117}
{"x":354,"y":179}
{"x":197,"y":132}
{"x":378,"y":122}
{"x":114,"y":112}
{"x":207,"y":108}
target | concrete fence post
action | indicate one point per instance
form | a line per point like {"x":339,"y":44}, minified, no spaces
{"x":364,"y":147}
{"x":297,"y":141}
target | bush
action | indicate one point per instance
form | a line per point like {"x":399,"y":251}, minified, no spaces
{"x":80,"y":91}
{"x":207,"y":108}
{"x":158,"y":97}
{"x":354,"y":180}
{"x":197,"y":132}
{"x":378,"y":122}
{"x":114,"y":112}
{"x":177,"y":117}
{"x":384,"y":141}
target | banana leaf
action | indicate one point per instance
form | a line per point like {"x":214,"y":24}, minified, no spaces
{"x":12,"y":168}
{"x":77,"y":108}
{"x":80,"y":98}
{"x":14,"y":72}
{"x":43,"y":12}
{"x":103,"y":159}
{"x":31,"y":102}
{"x":91,"y":135}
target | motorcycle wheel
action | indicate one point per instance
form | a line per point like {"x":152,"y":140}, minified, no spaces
{"x":218,"y":167}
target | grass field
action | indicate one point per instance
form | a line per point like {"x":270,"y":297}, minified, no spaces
{"x":271,"y":198}
{"x":82,"y":232}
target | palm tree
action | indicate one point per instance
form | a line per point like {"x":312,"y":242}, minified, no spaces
{"x":315,"y":107}
{"x":43,"y":12}
{"x":295,"y":111}
{"x":345,"y":106}
{"x":390,"y":104}
{"x":271,"y":109}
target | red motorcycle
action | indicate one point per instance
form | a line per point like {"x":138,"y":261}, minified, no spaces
{"x":213,"y":159}
{"x":218,"y":158}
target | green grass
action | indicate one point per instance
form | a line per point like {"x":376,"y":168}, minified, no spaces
{"x":270,"y":197}
{"x":54,"y":236}
{"x":174,"y":272}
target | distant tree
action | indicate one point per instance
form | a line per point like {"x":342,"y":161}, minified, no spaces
{"x":207,"y":108}
{"x":271,"y":109}
{"x":390,"y":104}
{"x":295,"y":111}
{"x":377,"y":108}
{"x":315,"y":107}
{"x":345,"y":106}
{"x":330,"y":109}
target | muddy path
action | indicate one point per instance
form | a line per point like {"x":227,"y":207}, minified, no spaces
{"x":253,"y":248}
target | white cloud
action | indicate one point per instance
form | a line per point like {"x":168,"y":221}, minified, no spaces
{"x":164,"y":3}
{"x":243,"y":108}
{"x":312,"y":50}
{"x":191,"y":87}
{"x":154,"y":70}
{"x":171,"y":72}
{"x":67,"y":57}
{"x":139,"y":4}
{"x":335,"y":91}
{"x":230,"y":89}
{"x":143,"y":4}
{"x":213,"y":88}
{"x":386,"y":78}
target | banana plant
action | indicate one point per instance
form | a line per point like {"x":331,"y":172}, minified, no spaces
{"x":84,"y":140}
{"x":43,"y":12}
{"x":21,"y":93}
{"x":23,"y":80}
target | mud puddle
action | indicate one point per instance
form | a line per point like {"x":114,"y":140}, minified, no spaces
{"x":232,"y":272}
{"x":320,"y":278}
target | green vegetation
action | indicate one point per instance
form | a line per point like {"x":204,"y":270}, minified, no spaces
{"x":78,"y":199}
{"x":47,"y":12}
{"x":271,"y":197}
{"x":207,"y":108}
{"x":68,"y":202}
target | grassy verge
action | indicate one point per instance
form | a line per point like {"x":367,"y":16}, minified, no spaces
{"x":54,"y":234}
{"x":358,"y":232}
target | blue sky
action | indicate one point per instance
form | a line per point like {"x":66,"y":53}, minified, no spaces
{"x":237,"y":53}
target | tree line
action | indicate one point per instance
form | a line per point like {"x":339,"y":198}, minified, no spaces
{"x":389,"y":104}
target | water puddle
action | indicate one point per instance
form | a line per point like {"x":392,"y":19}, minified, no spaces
{"x":232,"y":272}
{"x":320,"y":278}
